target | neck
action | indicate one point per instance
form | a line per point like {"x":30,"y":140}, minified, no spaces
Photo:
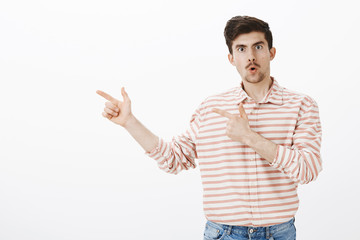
{"x":257,"y":91}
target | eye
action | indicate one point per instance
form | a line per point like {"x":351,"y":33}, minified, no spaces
{"x":258,"y":47}
{"x":241,"y":49}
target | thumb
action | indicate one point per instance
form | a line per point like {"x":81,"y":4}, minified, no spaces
{"x":242,"y":111}
{"x":124,"y":94}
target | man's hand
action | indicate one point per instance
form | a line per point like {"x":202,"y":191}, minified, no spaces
{"x":117,"y":111}
{"x":238,"y":128}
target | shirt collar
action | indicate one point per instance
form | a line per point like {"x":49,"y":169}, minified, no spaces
{"x":274,"y":95}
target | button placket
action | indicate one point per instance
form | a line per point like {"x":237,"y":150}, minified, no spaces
{"x":254,"y":206}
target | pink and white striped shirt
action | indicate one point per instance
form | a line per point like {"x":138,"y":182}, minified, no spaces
{"x":239,"y":186}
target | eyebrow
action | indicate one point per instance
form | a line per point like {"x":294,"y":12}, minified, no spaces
{"x":242,"y":45}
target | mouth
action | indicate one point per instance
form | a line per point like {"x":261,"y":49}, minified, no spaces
{"x":252,"y":69}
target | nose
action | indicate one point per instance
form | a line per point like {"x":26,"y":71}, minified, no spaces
{"x":251,"y":57}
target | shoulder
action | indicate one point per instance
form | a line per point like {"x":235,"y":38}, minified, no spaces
{"x":294,"y":96}
{"x":215,"y":100}
{"x":224,"y":96}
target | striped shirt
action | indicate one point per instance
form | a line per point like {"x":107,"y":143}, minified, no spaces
{"x":239,"y":186}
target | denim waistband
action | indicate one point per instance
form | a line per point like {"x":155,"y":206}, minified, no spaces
{"x":268,"y":231}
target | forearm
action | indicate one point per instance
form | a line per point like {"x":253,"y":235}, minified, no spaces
{"x":264,"y":147}
{"x":301,"y":166}
{"x":147,"y":140}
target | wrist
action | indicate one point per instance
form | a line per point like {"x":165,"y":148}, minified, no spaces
{"x":251,"y":138}
{"x":131,"y":121}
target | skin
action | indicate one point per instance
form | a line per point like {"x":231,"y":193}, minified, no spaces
{"x":249,"y":50}
{"x":119,"y":112}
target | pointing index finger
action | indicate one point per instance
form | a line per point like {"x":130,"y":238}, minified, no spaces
{"x":107,"y":96}
{"x":222,"y":113}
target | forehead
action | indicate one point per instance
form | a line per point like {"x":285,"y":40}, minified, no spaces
{"x":248,"y":39}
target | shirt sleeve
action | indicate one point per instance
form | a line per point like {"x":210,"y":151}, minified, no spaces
{"x":302,"y":161}
{"x":180,"y":153}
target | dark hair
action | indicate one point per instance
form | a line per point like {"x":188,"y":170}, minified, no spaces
{"x":245,"y":24}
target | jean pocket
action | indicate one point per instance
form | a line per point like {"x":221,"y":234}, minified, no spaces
{"x":287,"y":232}
{"x":213,"y":232}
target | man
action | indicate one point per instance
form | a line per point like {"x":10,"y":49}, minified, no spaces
{"x":254,"y":143}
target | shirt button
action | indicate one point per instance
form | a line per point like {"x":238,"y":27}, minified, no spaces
{"x":251,"y":230}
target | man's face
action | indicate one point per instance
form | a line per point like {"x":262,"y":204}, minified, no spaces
{"x":251,"y":57}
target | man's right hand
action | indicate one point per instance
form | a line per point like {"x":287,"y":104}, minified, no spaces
{"x":117,"y":111}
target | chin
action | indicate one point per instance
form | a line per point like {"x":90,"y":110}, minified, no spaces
{"x":254,"y":79}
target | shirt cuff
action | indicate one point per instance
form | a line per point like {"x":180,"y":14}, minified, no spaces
{"x":280,"y":160}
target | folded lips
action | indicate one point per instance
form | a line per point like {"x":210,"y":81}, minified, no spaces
{"x":252,"y":68}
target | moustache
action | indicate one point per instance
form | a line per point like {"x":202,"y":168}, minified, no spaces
{"x":252,"y":64}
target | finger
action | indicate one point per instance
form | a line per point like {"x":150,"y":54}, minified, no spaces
{"x":111,"y":112}
{"x":107,"y":97}
{"x":112,"y":106}
{"x":242,"y":111}
{"x":222,"y":113}
{"x":106,"y":115}
{"x":124,"y":94}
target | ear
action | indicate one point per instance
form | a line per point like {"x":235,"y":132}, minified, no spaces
{"x":231,"y":59}
{"x":272,"y":53}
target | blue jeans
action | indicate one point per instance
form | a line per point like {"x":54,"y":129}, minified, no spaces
{"x":283,"y":231}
